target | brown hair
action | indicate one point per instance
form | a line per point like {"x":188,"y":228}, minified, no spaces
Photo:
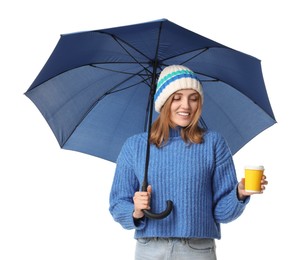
{"x":192,"y":133}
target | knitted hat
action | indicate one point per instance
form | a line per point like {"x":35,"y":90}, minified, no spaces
{"x":172,"y":79}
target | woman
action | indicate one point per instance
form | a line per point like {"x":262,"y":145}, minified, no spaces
{"x":188,"y":165}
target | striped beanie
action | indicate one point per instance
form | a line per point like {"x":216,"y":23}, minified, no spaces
{"x":172,"y":79}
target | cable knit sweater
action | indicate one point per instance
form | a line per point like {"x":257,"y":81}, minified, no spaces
{"x":200,"y":179}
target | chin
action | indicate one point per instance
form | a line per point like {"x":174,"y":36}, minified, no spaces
{"x":182,"y":124}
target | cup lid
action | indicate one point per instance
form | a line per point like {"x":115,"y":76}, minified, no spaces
{"x":255,"y":167}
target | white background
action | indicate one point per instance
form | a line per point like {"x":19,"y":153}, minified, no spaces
{"x":54,"y":202}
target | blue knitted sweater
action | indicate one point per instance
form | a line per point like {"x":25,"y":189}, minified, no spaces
{"x":200,"y":179}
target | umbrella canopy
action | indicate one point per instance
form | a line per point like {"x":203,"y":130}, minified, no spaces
{"x":95,"y":89}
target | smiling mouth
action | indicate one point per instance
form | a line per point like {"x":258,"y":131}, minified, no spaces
{"x":183,"y":114}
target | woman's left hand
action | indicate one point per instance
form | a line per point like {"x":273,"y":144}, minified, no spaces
{"x":242,"y":194}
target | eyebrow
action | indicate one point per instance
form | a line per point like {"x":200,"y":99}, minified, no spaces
{"x":192,"y":94}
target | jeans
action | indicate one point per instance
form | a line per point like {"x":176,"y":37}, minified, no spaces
{"x":175,"y":249}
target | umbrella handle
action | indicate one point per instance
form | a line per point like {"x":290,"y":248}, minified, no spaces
{"x":164,"y":214}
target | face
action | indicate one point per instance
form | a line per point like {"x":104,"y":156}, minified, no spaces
{"x":184,"y":106}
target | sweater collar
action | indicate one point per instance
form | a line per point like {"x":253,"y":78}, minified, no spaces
{"x":175,"y":132}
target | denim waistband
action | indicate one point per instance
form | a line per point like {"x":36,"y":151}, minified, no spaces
{"x":178,"y":239}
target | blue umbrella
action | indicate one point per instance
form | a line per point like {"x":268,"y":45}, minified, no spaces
{"x":97,"y":87}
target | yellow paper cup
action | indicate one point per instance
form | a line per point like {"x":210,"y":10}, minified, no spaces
{"x":253,"y":177}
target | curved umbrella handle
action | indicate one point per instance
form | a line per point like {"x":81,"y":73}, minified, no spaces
{"x":163,"y":214}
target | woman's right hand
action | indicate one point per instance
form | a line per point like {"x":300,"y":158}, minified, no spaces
{"x":141,"y":201}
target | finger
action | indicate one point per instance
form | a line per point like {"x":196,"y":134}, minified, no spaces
{"x":243,"y":181}
{"x":264,"y":182}
{"x":141,"y":203}
{"x":149,"y":189}
{"x":241,"y":184}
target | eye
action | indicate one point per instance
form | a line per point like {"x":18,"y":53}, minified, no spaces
{"x":194,"y":98}
{"x":177,"y":97}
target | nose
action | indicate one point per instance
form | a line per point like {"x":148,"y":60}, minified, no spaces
{"x":185,"y":103}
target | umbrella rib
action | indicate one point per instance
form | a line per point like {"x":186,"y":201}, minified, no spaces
{"x":115,"y":91}
{"x":203,"y":124}
{"x":144,"y":77}
{"x":110,"y":91}
{"x":227,"y":115}
{"x":202,"y":51}
{"x":119,"y":40}
{"x":194,"y":56}
{"x":119,"y":71}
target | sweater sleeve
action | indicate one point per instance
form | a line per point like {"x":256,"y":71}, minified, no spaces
{"x":124,"y":186}
{"x":225,"y":184}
